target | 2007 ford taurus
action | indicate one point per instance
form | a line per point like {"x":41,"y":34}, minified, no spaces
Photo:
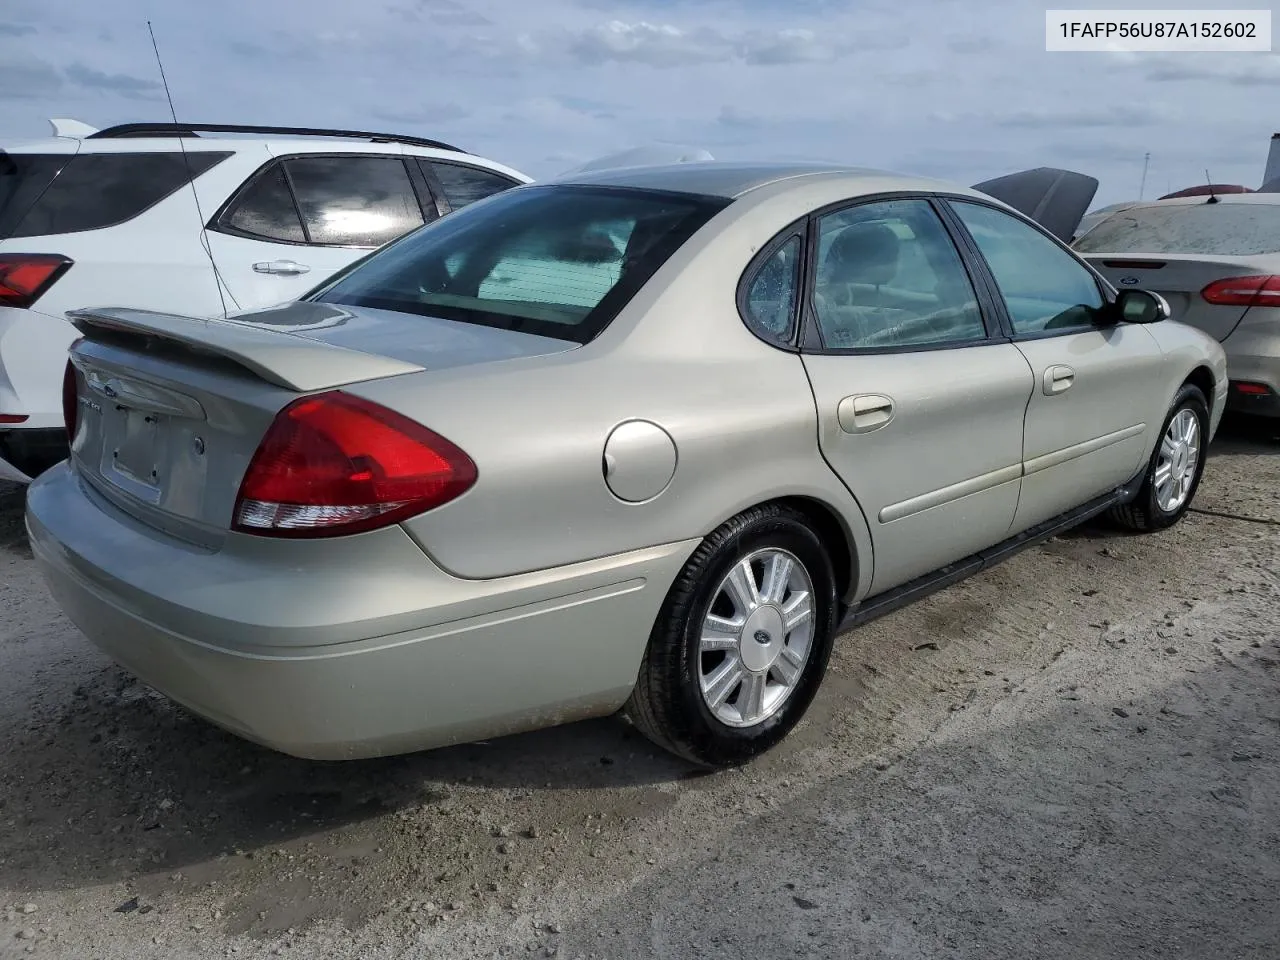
{"x":642,"y":439}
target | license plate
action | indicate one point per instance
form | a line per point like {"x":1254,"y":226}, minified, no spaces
{"x":135,"y":454}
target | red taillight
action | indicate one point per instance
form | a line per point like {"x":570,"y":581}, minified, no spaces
{"x":1255,"y":291}
{"x":70,"y":401}
{"x":334,"y":464}
{"x":1253,"y":389}
{"x":24,"y":277}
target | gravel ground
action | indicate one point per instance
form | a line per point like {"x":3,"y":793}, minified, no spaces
{"x":1084,"y":767}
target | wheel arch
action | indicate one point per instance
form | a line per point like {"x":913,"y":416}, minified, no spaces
{"x":1203,"y":378}
{"x":840,"y":541}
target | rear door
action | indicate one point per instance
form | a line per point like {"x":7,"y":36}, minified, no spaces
{"x":920,"y":401}
{"x":300,"y":219}
{"x":1098,"y":386}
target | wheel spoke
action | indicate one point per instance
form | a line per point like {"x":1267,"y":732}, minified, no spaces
{"x":1166,"y":446}
{"x":797,"y":610}
{"x":787,"y":666}
{"x":720,"y":633}
{"x":1164,"y":473}
{"x":751,"y":697}
{"x":722,"y":681}
{"x":1189,"y":427}
{"x":741,"y":584}
{"x":776,"y":579}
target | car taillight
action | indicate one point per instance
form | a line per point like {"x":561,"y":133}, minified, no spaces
{"x":333,"y":464}
{"x":24,"y":277}
{"x":70,"y":401}
{"x":1255,"y":291}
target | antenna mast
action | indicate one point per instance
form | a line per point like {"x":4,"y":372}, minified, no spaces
{"x":1146,"y":162}
{"x":217,"y":276}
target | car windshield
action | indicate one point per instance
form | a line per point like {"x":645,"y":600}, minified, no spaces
{"x":556,"y":261}
{"x":1223,"y":229}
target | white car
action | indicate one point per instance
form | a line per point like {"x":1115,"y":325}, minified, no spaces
{"x":203,"y":220}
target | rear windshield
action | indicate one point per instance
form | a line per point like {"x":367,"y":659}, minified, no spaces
{"x":556,"y":261}
{"x":44,"y":194}
{"x":1225,"y":229}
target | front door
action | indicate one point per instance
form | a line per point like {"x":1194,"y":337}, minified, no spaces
{"x":1085,"y":435}
{"x":920,"y":410}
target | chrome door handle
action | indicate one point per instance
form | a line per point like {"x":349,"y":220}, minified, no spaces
{"x":865,"y":412}
{"x":1058,"y":379}
{"x":285,"y":268}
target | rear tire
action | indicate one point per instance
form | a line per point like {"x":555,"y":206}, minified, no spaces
{"x":732,"y":667}
{"x":1175,"y":468}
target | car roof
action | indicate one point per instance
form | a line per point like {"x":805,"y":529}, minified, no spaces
{"x":731,"y":179}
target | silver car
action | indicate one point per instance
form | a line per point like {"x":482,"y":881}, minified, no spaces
{"x":1216,"y":260}
{"x":640,"y":439}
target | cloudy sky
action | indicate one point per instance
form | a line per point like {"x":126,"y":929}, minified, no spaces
{"x":947,"y":88}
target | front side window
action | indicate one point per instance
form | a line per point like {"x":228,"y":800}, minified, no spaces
{"x":1045,"y":289}
{"x":463,"y":185}
{"x":354,"y":201}
{"x":557,"y":261}
{"x":1224,"y":229}
{"x":770,"y":303}
{"x":888,"y":275}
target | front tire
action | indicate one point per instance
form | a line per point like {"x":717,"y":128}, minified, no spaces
{"x":741,"y":643}
{"x":1176,"y":466}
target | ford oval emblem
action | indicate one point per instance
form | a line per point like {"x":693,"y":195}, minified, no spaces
{"x":1128,"y":281}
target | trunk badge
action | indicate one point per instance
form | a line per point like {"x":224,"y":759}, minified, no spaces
{"x":1128,"y":281}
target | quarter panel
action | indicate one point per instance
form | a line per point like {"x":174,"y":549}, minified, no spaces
{"x":742,"y":424}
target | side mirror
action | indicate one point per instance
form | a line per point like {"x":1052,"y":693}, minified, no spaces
{"x":1142,"y":306}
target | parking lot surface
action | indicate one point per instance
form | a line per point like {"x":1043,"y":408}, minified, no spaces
{"x":1073,"y":755}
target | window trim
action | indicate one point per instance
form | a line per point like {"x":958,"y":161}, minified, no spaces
{"x":811,"y":342}
{"x":427,"y":165}
{"x":790,"y":342}
{"x":1105,"y":289}
{"x":218,"y":222}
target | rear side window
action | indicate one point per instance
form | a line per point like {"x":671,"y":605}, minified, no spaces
{"x":1226,"y":229}
{"x":463,"y":185}
{"x":98,"y":190}
{"x":558,"y":261}
{"x":770,"y":301}
{"x":266,"y":209}
{"x":354,"y":201}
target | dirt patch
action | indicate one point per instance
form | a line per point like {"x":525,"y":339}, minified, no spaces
{"x":1070,"y":755}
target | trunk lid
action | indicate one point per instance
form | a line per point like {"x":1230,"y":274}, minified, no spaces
{"x":1179,"y":278}
{"x":171,"y":409}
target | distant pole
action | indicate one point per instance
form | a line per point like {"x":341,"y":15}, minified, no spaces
{"x":1146,"y":162}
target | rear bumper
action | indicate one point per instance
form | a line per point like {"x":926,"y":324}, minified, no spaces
{"x":33,"y":354}
{"x":477,"y":658}
{"x":1255,"y":385}
{"x":1253,"y":359}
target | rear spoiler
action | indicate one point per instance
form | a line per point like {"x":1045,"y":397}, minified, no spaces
{"x":286,"y":360}
{"x":1055,"y":199}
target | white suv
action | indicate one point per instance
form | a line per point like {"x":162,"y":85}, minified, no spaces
{"x":193,"y":219}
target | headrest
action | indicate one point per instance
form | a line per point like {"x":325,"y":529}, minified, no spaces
{"x":862,"y":253}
